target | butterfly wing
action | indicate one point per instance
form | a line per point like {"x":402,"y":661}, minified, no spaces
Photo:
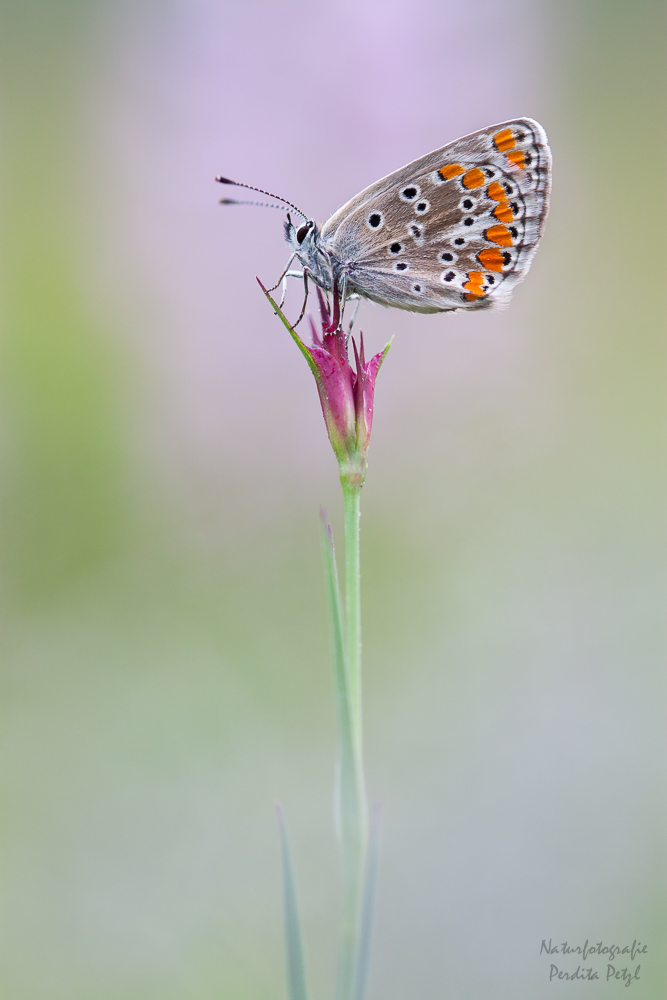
{"x":456,"y":229}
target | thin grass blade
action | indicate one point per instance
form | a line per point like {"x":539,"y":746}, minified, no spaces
{"x":296,"y":966}
{"x":368,"y":907}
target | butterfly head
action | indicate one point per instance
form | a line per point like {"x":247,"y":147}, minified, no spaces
{"x":304,"y":240}
{"x":301,"y":238}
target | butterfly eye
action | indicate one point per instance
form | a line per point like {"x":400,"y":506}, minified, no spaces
{"x":459,"y":241}
{"x":410,"y":192}
{"x":416,"y":288}
{"x":303,"y":232}
{"x":421,"y":207}
{"x":449,"y":276}
{"x":395,"y":248}
{"x":401,"y":266}
{"x":448,"y":257}
{"x":375,"y":220}
{"x":470,"y":221}
{"x":467,"y":204}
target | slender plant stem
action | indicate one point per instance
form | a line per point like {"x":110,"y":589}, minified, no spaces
{"x":352,"y":502}
{"x":354,"y":808}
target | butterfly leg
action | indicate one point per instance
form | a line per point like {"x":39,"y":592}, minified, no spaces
{"x":357,"y":303}
{"x":286,"y":275}
{"x":339,"y":305}
{"x":283,"y":275}
{"x":343,"y":296}
{"x":306,"y":272}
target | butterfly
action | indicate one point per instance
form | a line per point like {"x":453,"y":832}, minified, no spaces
{"x":455,"y":229}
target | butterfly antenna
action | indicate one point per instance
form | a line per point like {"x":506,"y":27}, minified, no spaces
{"x":226,"y":180}
{"x":259,"y":204}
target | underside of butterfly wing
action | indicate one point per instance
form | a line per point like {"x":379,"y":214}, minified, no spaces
{"x":456,"y":229}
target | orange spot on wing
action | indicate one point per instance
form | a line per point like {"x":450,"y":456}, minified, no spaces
{"x":517,"y":158}
{"x":496,"y":192}
{"x":503,"y":140}
{"x":490,"y":259}
{"x":450,"y":170}
{"x":474,"y":286}
{"x":503,"y":212}
{"x":500,"y":235}
{"x":474,"y":178}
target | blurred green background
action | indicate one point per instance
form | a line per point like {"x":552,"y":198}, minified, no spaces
{"x":166,"y":675}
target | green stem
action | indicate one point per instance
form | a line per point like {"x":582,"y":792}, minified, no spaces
{"x":352,"y":502}
{"x":353,"y":805}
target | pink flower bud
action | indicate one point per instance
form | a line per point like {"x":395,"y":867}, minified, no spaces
{"x":346,"y":394}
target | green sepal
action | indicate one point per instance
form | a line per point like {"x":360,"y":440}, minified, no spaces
{"x":292,"y":332}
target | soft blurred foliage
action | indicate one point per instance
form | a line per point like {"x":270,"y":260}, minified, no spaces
{"x":165,"y":648}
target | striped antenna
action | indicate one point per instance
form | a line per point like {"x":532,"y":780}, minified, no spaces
{"x":226,"y":180}
{"x":260,"y":204}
